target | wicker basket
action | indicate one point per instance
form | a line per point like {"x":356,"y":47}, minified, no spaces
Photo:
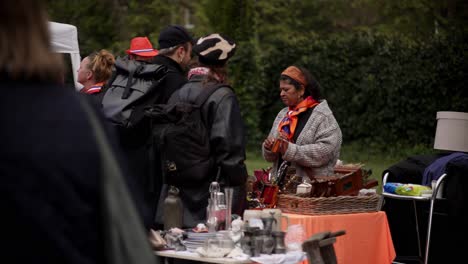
{"x":328,"y":205}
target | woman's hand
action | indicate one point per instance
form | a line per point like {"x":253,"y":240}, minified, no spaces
{"x":268,"y":143}
{"x":284,"y":143}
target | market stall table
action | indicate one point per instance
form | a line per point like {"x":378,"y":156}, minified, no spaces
{"x":195,"y":257}
{"x":367,"y":240}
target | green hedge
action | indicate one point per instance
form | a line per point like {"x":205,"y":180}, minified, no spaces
{"x":384,"y":90}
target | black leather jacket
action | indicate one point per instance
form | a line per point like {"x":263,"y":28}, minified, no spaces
{"x":227,"y":140}
{"x":227,"y":134}
{"x":175,"y":78}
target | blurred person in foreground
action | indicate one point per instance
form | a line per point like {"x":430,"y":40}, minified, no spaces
{"x":306,"y":133}
{"x":95,"y":70}
{"x":50,"y":165}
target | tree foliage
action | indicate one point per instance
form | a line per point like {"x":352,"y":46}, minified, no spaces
{"x":385,"y":66}
{"x":111,"y":24}
{"x":94,"y":20}
{"x":237,"y":20}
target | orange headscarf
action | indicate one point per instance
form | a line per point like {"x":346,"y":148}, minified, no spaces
{"x":287,"y":126}
{"x":296,"y":74}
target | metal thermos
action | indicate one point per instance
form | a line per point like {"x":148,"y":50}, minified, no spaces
{"x":173,"y":209}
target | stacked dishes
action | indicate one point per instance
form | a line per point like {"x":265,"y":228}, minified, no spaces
{"x":195,"y":240}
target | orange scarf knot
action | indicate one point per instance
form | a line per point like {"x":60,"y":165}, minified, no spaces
{"x":287,"y":126}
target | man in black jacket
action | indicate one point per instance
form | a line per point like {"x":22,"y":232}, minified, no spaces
{"x":175,"y":49}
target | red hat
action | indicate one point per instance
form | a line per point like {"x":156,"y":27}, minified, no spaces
{"x":141,"y":46}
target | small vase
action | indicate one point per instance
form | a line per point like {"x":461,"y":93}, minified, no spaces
{"x":269,"y":195}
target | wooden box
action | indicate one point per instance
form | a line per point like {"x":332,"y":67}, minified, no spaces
{"x":346,"y":180}
{"x":349,"y":180}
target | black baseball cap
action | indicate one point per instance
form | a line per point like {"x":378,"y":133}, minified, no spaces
{"x":174,"y":35}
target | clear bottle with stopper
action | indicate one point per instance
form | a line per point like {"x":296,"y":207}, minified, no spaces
{"x":213,"y":207}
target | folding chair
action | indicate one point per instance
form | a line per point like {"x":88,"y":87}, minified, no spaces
{"x":432,"y":199}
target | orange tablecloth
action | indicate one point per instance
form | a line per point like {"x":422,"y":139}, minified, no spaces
{"x":367,"y":239}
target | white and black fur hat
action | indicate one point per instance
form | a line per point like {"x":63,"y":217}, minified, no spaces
{"x":214,"y":49}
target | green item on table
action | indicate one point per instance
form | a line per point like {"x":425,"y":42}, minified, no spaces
{"x":411,"y":189}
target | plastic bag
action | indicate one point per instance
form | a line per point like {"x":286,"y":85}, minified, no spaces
{"x":411,"y":189}
{"x":390,"y":187}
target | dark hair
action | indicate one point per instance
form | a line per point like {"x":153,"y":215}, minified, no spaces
{"x":170,"y":51}
{"x":312,"y":88}
{"x":217,"y":72}
{"x":25,"y":50}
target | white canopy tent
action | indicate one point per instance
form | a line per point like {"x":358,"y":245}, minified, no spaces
{"x":64,"y":39}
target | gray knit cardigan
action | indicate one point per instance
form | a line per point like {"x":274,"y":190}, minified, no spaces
{"x":317,"y":147}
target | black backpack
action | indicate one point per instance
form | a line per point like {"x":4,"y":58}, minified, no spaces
{"x":181,"y":137}
{"x":133,"y":87}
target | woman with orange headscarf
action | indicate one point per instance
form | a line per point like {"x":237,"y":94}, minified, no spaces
{"x":305,"y":134}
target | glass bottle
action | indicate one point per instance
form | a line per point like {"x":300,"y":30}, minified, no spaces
{"x":173,"y":209}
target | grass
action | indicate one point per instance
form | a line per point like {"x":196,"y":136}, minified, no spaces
{"x":255,"y":161}
{"x":376,"y":162}
{"x":375,"y":158}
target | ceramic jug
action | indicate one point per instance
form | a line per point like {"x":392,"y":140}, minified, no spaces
{"x":249,"y":214}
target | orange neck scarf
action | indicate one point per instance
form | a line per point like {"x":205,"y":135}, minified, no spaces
{"x":287,"y":126}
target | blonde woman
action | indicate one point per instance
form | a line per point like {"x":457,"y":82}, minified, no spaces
{"x":95,"y":70}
